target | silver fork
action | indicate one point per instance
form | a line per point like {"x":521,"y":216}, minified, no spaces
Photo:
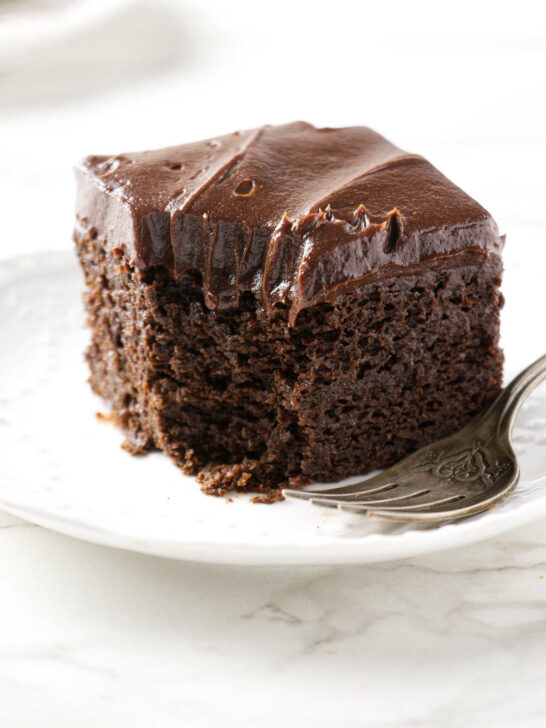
{"x":458,"y":476}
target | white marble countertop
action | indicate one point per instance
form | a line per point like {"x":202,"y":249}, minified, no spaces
{"x":91,"y":636}
{"x":98,"y":638}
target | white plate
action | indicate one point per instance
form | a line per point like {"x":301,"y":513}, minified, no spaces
{"x":62,"y":468}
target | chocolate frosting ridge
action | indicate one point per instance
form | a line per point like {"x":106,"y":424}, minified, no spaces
{"x":293,"y":213}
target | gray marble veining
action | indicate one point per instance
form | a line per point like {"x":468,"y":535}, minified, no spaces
{"x":454,"y":639}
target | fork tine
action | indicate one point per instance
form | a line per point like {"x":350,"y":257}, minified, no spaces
{"x":399,"y":495}
{"x":423,"y":516}
{"x":370,"y":485}
{"x":383,"y":493}
{"x":311,"y":495}
{"x":408,"y":508}
{"x":298,"y":494}
{"x":323,"y":503}
{"x":405,"y":501}
{"x":395,"y":493}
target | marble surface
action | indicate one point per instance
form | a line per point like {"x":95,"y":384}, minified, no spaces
{"x":91,"y":636}
{"x":101,"y":638}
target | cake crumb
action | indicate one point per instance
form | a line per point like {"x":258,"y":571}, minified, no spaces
{"x":273,"y":496}
{"x":102,"y":417}
{"x":219,"y":480}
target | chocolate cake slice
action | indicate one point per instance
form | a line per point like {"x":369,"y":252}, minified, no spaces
{"x":286,"y":304}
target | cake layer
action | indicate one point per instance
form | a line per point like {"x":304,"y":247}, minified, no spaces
{"x":353,"y":385}
{"x":293,"y":214}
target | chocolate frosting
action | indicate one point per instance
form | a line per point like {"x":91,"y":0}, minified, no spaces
{"x":293,"y":213}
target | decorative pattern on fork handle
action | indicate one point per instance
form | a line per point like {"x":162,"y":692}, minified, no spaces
{"x":468,"y":465}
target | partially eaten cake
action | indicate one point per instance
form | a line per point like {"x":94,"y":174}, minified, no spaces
{"x":287,"y":304}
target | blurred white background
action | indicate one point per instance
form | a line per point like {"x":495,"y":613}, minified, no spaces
{"x":461,"y":83}
{"x":140,"y":642}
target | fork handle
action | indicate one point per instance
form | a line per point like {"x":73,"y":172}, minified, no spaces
{"x":511,"y":398}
